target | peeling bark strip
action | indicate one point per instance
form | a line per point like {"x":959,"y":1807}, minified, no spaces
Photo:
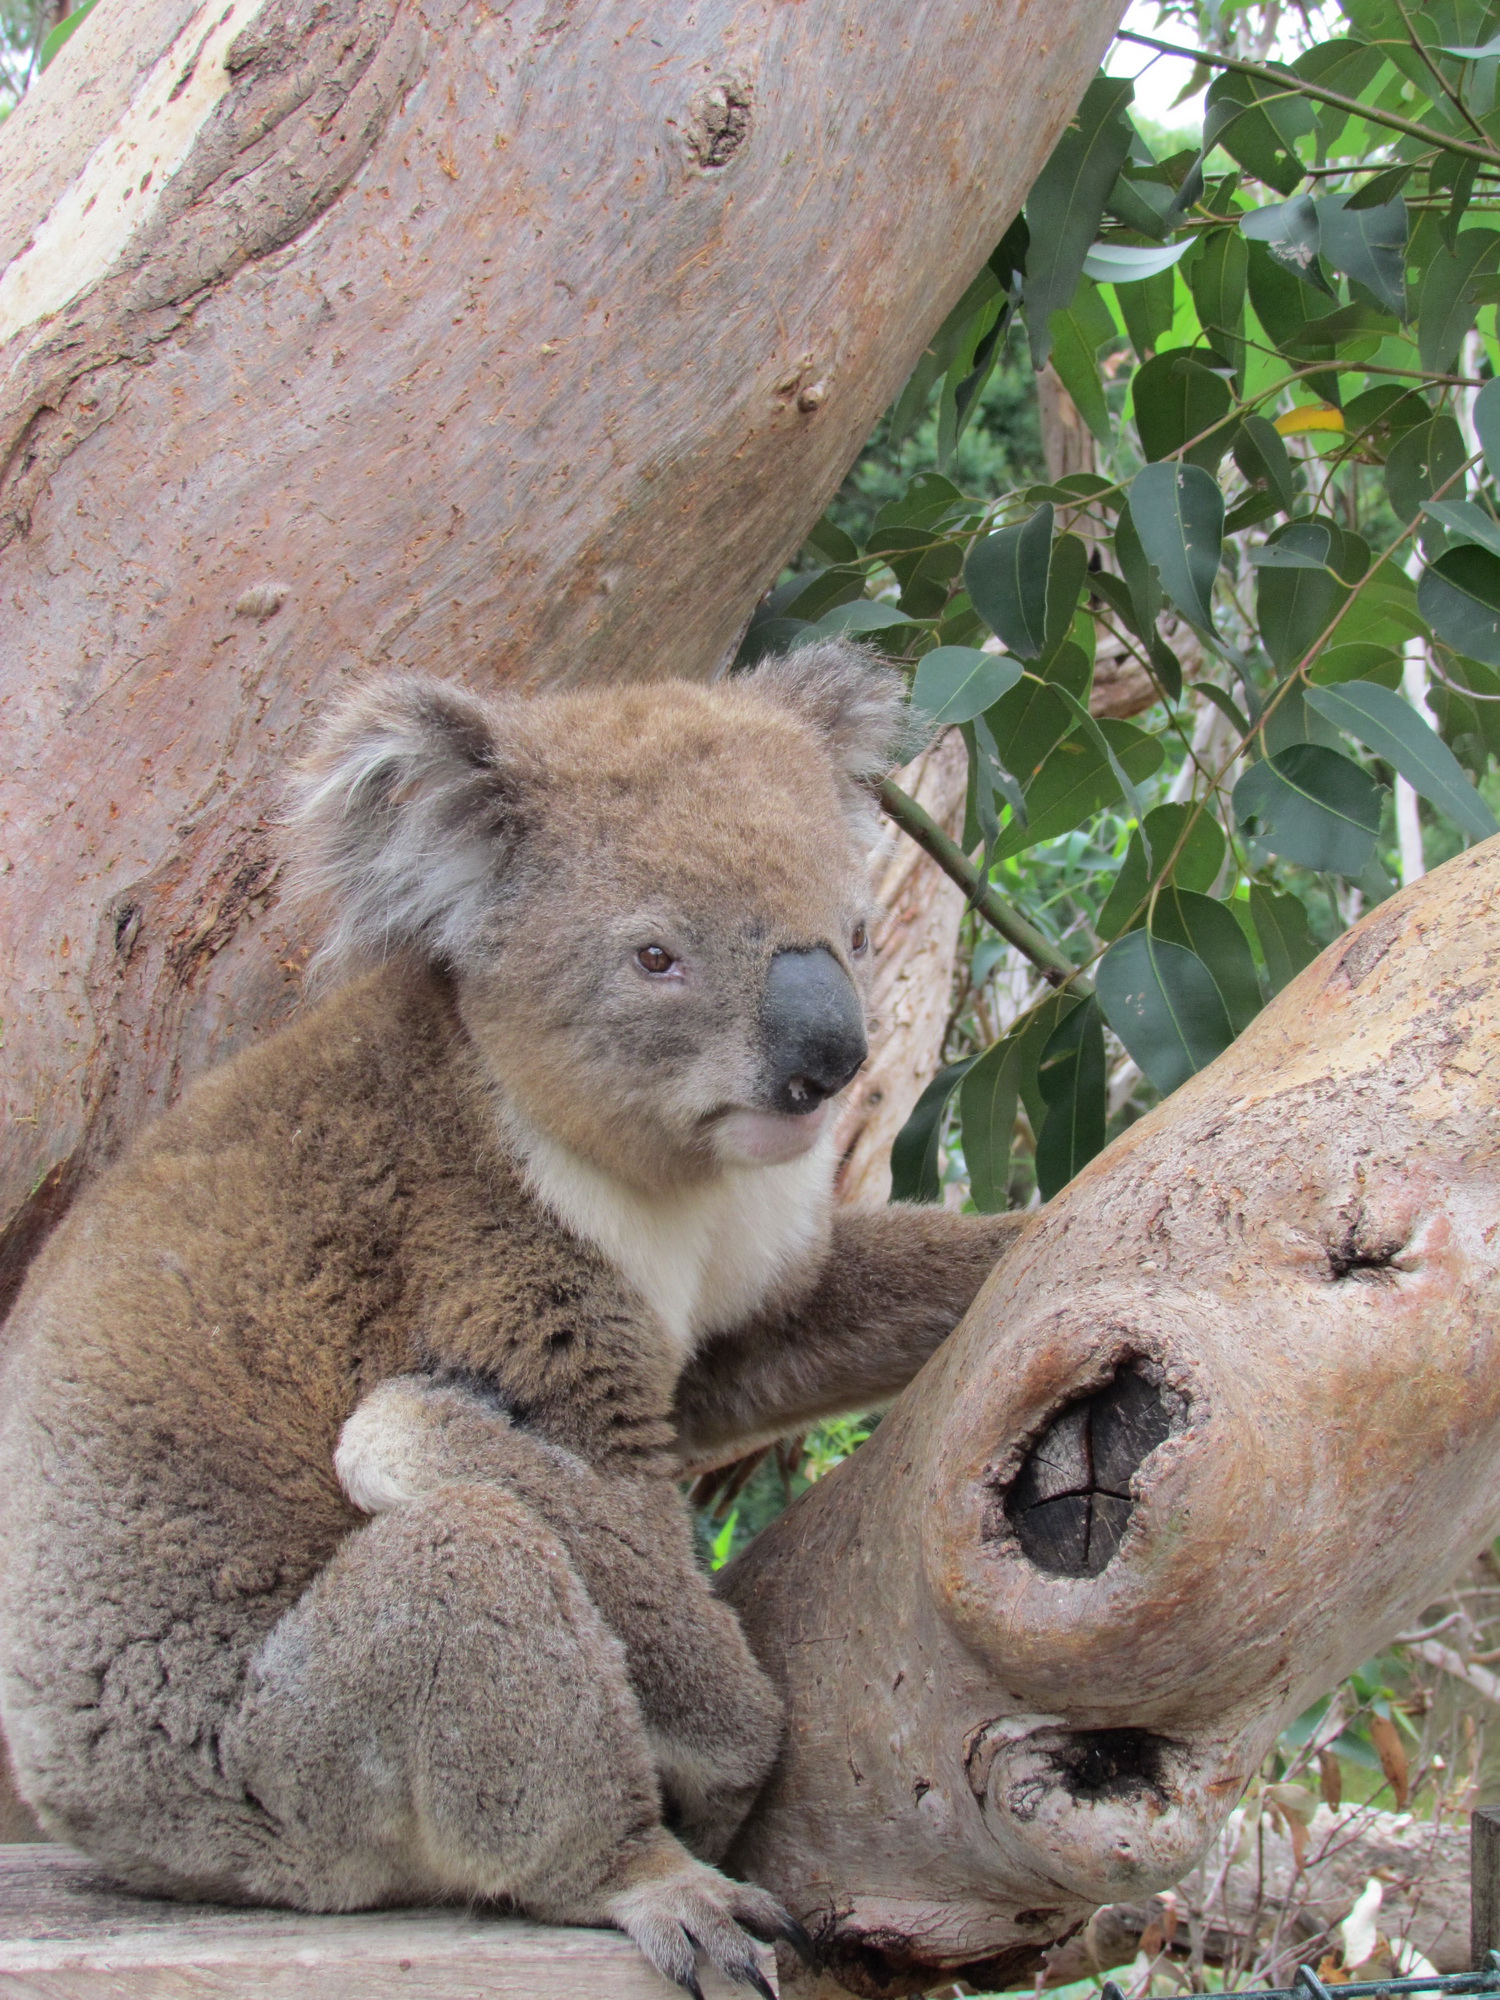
{"x":519,"y":342}
{"x":1261,"y":1336}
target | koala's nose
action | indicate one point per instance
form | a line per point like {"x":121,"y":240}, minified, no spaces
{"x":813,"y":1027}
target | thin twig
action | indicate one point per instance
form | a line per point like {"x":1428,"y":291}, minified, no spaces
{"x":1296,"y":86}
{"x":986,"y":899}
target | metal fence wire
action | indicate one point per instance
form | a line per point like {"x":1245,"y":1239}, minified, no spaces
{"x":1307,"y":1985}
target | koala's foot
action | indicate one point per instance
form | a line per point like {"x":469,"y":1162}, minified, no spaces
{"x":713,"y":1719}
{"x":676,"y":1907}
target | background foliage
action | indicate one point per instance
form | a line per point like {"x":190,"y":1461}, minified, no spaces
{"x":1282,"y":340}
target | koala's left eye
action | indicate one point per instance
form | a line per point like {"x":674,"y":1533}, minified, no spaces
{"x":860,"y":942}
{"x":655,"y":959}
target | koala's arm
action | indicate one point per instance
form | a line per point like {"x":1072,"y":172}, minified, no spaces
{"x":896,"y":1282}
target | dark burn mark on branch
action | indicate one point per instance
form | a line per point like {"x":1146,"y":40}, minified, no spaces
{"x":719,"y":122}
{"x":1365,"y":1260}
{"x":238,"y":888}
{"x":1070,"y":1503}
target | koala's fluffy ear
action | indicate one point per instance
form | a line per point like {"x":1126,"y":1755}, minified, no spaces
{"x":855,"y":702}
{"x":405,"y":812}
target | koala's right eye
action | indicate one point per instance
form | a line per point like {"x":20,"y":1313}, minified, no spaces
{"x":655,"y":959}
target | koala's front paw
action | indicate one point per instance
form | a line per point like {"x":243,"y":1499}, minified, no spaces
{"x":678,"y":1903}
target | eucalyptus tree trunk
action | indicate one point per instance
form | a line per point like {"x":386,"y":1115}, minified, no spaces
{"x":520,"y":343}
{"x":1221,"y":1425}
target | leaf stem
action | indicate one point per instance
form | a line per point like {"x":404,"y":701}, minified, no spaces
{"x":982,"y":894}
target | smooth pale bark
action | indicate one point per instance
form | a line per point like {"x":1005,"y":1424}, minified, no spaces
{"x":519,"y":343}
{"x":1293,"y":1268}
{"x":911,"y":989}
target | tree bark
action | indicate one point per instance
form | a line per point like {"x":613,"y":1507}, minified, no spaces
{"x":916,"y":951}
{"x":522,"y":343}
{"x":1219,"y":1426}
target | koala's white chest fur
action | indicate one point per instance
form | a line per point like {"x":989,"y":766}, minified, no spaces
{"x":703,"y":1258}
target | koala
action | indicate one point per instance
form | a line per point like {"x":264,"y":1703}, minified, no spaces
{"x":343,"y":1560}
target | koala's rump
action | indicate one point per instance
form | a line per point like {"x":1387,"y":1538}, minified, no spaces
{"x":179,"y":1365}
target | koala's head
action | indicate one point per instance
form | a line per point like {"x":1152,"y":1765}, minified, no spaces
{"x":654,"y":901}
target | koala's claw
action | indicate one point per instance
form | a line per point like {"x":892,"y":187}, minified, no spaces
{"x":793,"y":1934}
{"x":696,"y":1909}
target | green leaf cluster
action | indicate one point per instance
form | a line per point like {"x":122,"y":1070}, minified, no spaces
{"x":1282,"y":343}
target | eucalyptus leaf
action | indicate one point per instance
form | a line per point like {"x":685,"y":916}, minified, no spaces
{"x":865,"y":615}
{"x":1148,"y":308}
{"x":1127,"y":263}
{"x":988,"y":1098}
{"x":1459,"y":596}
{"x":914,"y":1150}
{"x":1467,"y":521}
{"x":1344,"y":65}
{"x":1067,"y":200}
{"x":1079,"y":330}
{"x":1196,"y":867}
{"x":1209,"y":929}
{"x":1162,"y":1002}
{"x":1178,"y":514}
{"x":1001,"y":782}
{"x":1423,"y":460}
{"x":1286,"y":940}
{"x":1446,"y":303}
{"x":1093,"y":730}
{"x":1217,"y":277}
{"x":1367,"y":244}
{"x":772,"y":635}
{"x":1311,"y":806}
{"x":1076,"y":781}
{"x":1356,"y":661}
{"x":1257,"y":124}
{"x":1140,"y":578}
{"x":956,"y":683}
{"x":1387,"y":724}
{"x":64,"y":32}
{"x":1071,"y":1077}
{"x":1292,"y":234}
{"x":1227,"y":706}
{"x":1294,"y":606}
{"x":1178,"y":399}
{"x":1384,"y":186}
{"x":1006,"y":578}
{"x":1033,"y":718}
{"x":1486,"y":417}
{"x":1260,"y":453}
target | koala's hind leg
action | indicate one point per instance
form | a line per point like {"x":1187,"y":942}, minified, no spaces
{"x":444,"y":1713}
{"x":713,"y":1720}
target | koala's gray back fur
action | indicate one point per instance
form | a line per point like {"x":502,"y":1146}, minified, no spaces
{"x":319,"y":1216}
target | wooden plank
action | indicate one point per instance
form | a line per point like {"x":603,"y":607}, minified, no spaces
{"x":66,"y":1933}
{"x":1484,"y":1883}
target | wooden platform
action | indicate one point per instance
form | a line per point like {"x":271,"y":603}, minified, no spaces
{"x":67,"y":1934}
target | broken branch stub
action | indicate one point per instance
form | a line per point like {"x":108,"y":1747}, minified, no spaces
{"x":1218,"y":1427}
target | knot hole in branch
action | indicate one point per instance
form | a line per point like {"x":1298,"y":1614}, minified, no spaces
{"x":1070,"y":1503}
